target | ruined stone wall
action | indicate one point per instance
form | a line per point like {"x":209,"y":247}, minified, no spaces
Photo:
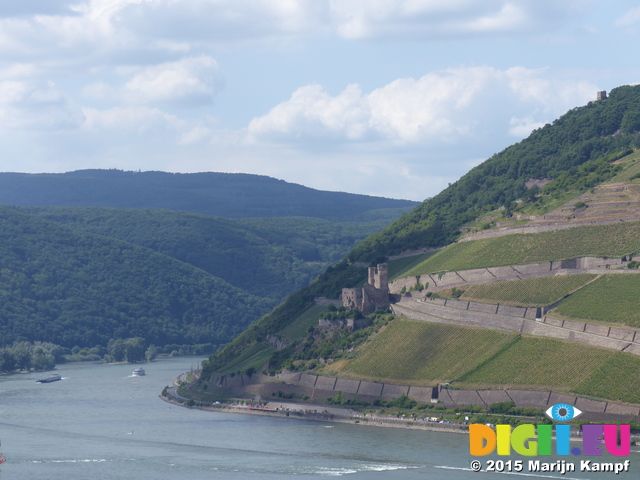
{"x":374,"y":295}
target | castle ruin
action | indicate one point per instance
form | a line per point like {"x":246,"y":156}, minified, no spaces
{"x":374,"y":294}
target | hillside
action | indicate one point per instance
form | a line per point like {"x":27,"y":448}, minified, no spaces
{"x":83,"y":290}
{"x":545,"y":221}
{"x":97,"y":279}
{"x":229,"y":195}
{"x":267,"y":257}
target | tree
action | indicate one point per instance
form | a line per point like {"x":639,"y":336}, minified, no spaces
{"x":151,"y":353}
{"x":134,"y":350}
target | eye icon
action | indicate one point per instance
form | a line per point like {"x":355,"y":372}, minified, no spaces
{"x":561,"y":412}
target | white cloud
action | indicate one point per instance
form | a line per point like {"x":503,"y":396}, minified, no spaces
{"x":449,"y":18}
{"x":38,"y":106}
{"x":191,"y":81}
{"x":630,"y":18}
{"x":134,"y":120}
{"x":86,"y":31}
{"x":456,"y":105}
{"x":312,"y":113}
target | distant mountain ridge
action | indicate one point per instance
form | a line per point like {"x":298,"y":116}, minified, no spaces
{"x":230,"y":195}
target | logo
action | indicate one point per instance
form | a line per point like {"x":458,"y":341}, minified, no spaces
{"x":532,"y":440}
{"x":561,"y":412}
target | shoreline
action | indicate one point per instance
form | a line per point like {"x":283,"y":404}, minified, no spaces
{"x":330,"y":414}
{"x":296,"y":411}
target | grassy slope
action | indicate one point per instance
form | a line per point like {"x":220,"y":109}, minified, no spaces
{"x":410,"y":351}
{"x":419,"y":353}
{"x":531,"y":292}
{"x":613,"y":240}
{"x":611,"y":298}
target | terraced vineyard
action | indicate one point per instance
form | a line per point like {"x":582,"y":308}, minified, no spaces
{"x":533,"y":362}
{"x":617,"y":378}
{"x":255,"y":357}
{"x":414,"y":352}
{"x":611,"y":240}
{"x":531,"y":292}
{"x":611,"y":298}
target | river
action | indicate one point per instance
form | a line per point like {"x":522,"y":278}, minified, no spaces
{"x":99,"y":422}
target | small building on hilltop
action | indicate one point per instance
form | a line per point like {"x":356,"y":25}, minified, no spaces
{"x":374,"y":295}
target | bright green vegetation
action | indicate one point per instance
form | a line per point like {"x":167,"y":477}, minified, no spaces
{"x":612,"y":240}
{"x":576,"y":152}
{"x":533,"y":362}
{"x":296,"y":329}
{"x":396,"y":267}
{"x":547,"y":203}
{"x":531,"y":292}
{"x":421,"y":353}
{"x":544,"y":363}
{"x":611,"y":298}
{"x":251,"y":359}
{"x":617,"y":378}
{"x":631,"y":166}
{"x":410,"y":351}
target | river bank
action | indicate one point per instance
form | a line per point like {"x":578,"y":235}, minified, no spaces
{"x":322,"y":414}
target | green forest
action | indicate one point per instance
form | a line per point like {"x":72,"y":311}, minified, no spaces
{"x":87,"y":279}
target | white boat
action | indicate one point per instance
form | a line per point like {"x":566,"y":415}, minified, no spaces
{"x":139,"y":372}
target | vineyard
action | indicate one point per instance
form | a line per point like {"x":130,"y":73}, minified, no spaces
{"x":420,"y":353}
{"x":611,"y":240}
{"x":533,"y":362}
{"x":617,"y":378}
{"x":611,"y":298}
{"x":532,"y":292}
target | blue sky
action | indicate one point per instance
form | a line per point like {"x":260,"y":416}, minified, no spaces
{"x":385,"y":97}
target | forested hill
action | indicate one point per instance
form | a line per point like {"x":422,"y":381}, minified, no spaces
{"x":576,"y":152}
{"x":78,"y":289}
{"x":218,"y":194}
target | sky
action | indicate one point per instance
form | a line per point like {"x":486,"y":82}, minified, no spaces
{"x":393,"y":98}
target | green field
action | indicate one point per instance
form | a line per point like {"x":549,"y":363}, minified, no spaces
{"x":534,"y":362}
{"x":531,"y":292}
{"x":613,"y":240}
{"x":420,"y":353}
{"x":617,"y":379}
{"x":411,"y":352}
{"x":611,"y":298}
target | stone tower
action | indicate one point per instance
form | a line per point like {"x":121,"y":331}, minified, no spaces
{"x":602,"y":95}
{"x":374,"y":295}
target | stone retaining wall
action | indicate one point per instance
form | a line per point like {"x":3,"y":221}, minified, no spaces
{"x":326,"y":387}
{"x":516,"y":319}
{"x":444,"y":281}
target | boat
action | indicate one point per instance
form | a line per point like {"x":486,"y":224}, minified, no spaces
{"x":139,"y":372}
{"x":54,"y":377}
{"x":2,"y":459}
